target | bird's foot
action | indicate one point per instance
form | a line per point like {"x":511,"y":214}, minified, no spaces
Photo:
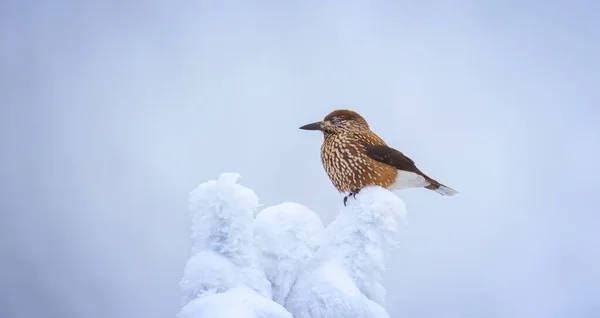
{"x":351,"y":194}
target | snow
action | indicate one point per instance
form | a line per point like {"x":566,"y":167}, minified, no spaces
{"x":282,"y":262}
{"x":287,"y":235}
{"x":344,"y":278}
{"x":222,"y":278}
{"x":239,"y":302}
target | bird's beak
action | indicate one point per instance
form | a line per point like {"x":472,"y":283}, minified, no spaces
{"x":313,"y":126}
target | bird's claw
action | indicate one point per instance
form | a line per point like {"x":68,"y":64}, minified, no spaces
{"x":353,"y":194}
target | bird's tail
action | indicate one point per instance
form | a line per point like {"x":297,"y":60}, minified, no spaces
{"x":440,"y":188}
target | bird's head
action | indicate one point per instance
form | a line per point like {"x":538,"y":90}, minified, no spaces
{"x":339,"y":121}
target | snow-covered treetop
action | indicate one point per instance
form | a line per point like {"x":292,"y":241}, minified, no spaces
{"x":344,"y":278}
{"x":363,"y":235}
{"x":222,"y":214}
{"x":283,"y":262}
{"x":223,"y":275}
{"x":287,"y":236}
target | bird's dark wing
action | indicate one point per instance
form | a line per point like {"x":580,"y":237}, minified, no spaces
{"x":392,"y":157}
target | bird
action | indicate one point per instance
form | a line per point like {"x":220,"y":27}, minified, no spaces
{"x":354,"y":157}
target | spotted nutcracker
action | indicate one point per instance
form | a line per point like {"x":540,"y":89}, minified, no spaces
{"x":355,"y":157}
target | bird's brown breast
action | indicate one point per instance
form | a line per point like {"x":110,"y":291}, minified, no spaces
{"x":347,"y":165}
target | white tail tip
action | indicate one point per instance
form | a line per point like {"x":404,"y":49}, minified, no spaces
{"x":444,"y":190}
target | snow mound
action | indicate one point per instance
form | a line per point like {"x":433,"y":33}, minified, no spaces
{"x":344,"y":278}
{"x":239,"y":302}
{"x":286,"y":237}
{"x":223,"y":273}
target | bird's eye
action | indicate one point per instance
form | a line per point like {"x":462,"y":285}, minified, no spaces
{"x":335,"y":121}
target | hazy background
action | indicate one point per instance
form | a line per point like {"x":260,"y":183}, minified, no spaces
{"x":113,"y":111}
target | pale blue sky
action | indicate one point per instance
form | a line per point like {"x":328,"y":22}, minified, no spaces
{"x":113,"y":111}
